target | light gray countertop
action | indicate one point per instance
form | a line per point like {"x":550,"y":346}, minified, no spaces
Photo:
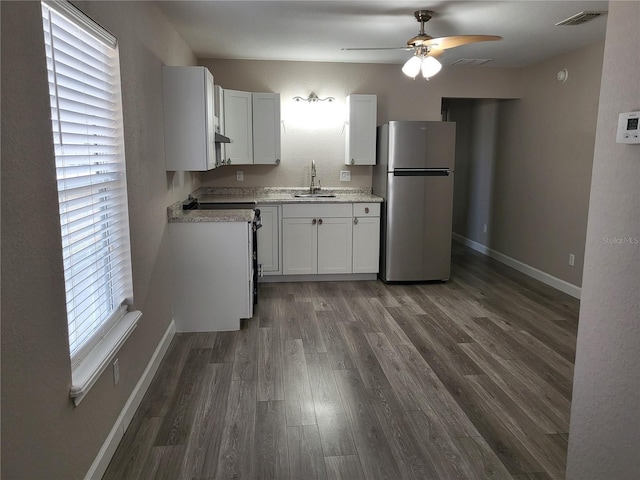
{"x":279,"y":195}
{"x":261,"y":195}
{"x":177,"y":215}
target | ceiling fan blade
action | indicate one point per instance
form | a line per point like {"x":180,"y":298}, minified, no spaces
{"x":443,"y":43}
{"x":376,"y":48}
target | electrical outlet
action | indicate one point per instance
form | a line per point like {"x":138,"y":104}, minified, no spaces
{"x":345,"y":176}
{"x":240,"y":176}
{"x":116,"y":372}
{"x":484,"y":229}
{"x":572,"y":259}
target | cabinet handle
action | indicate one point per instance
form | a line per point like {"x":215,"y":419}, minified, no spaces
{"x":319,"y":221}
{"x":277,"y":161}
{"x":228,"y":161}
{"x":355,"y":221}
{"x":366,"y":209}
{"x":353,"y":161}
{"x":313,"y":222}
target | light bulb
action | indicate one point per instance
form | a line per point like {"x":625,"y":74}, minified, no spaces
{"x":412,"y":67}
{"x":430,"y":66}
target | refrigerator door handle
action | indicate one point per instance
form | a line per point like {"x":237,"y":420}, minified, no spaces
{"x":421,"y":172}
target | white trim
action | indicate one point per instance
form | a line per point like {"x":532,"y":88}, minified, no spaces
{"x":539,"y":275}
{"x":101,"y":462}
{"x":478,"y":247}
{"x":76,"y":15}
{"x":85,"y":374}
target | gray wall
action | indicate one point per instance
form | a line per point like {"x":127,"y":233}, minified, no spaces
{"x":476,"y":131}
{"x":543,"y":165}
{"x":523,"y":167}
{"x":43,"y":435}
{"x":605,"y":414}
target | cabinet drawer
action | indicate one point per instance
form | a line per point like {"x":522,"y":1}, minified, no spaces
{"x":366,"y":209}
{"x":302,"y":210}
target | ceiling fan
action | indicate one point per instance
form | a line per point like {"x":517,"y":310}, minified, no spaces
{"x":427,"y":48}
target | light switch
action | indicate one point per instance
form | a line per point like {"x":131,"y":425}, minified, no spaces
{"x":345,"y":176}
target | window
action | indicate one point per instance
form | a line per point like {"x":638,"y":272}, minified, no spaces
{"x":86,"y":115}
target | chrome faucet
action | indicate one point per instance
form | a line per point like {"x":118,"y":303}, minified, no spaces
{"x":313,"y":188}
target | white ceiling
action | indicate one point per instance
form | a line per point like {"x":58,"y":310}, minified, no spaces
{"x":305,"y":30}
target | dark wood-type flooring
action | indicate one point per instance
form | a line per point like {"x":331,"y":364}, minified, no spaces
{"x":470,"y":379}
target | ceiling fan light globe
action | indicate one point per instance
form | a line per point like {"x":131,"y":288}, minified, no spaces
{"x":430,"y":67}
{"x":412,"y":67}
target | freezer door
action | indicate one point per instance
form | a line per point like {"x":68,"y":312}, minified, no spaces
{"x":421,"y":145}
{"x":417,"y":228}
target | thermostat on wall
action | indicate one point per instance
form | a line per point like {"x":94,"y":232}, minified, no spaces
{"x":628,"y":128}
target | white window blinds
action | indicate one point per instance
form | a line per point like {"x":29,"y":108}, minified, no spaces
{"x":86,"y":115}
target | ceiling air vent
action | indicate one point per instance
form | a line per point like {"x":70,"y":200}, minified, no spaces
{"x":580,"y":18}
{"x":471,"y":61}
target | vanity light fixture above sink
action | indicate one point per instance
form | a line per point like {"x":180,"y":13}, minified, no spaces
{"x":313,"y":98}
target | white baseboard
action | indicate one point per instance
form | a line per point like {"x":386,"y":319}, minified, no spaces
{"x":539,"y":275}
{"x":105,"y":454}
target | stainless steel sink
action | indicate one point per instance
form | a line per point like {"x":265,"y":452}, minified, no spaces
{"x":314,"y":195}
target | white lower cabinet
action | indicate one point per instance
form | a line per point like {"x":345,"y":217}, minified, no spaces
{"x":269,"y":240}
{"x":366,"y":237}
{"x":212,"y":275}
{"x":366,"y":245}
{"x":316,"y":239}
{"x":299,"y":246}
{"x":334,"y":245}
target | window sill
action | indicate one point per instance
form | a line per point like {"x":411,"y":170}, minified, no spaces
{"x":87,"y":372}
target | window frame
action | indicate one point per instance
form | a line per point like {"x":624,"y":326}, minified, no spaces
{"x":96,"y":259}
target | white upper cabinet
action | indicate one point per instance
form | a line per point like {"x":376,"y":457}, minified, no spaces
{"x":252,"y":122}
{"x":189,"y":118}
{"x":266,"y":128}
{"x":360,"y":146}
{"x":238,"y":126}
{"x":221,"y":150}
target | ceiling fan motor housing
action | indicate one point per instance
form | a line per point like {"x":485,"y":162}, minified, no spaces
{"x":423,"y":15}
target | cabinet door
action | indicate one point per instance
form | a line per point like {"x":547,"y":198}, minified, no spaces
{"x":266,"y":128}
{"x":221,"y":151}
{"x":186,"y":109}
{"x":299,"y":246}
{"x":211,"y":121}
{"x":248,"y":304}
{"x":334,"y":245}
{"x":360,"y":147}
{"x":238,"y":127}
{"x":366,"y":244}
{"x":269,"y":240}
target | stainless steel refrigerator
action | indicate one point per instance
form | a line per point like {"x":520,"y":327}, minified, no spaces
{"x":414,"y":175}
